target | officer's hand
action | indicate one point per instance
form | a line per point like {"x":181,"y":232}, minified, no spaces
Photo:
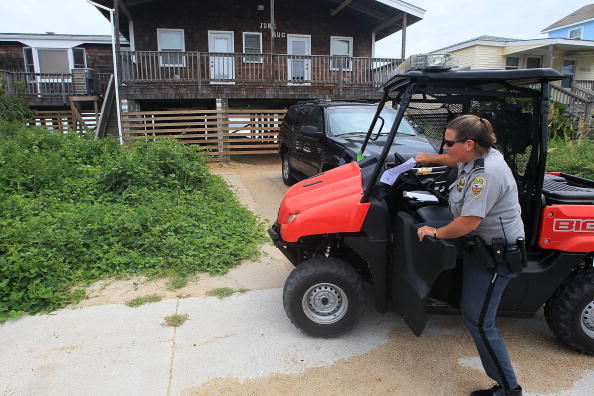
{"x":422,"y":158}
{"x":424,"y":231}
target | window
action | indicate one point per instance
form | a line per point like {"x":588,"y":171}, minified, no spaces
{"x":341,"y":46}
{"x":349,"y":120}
{"x":291,"y":116}
{"x":78,"y":58}
{"x":53,"y":61}
{"x":171,"y":41}
{"x":533,"y":62}
{"x":576,"y":33}
{"x":28,"y":55}
{"x":512,"y":62}
{"x":317,"y":119}
{"x":302,"y":116}
{"x":252,"y":44}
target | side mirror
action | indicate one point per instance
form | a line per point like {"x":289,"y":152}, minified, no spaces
{"x":311,"y":131}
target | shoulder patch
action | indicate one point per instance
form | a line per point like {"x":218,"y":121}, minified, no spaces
{"x":478,"y":185}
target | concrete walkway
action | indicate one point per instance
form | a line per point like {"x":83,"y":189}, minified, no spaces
{"x":244,"y":344}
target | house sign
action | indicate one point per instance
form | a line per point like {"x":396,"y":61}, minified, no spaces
{"x":268,"y":25}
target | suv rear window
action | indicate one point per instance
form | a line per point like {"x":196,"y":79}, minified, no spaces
{"x":302,"y":116}
{"x":357,"y":119}
{"x":291,"y":116}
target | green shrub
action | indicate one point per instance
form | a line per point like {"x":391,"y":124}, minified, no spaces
{"x":74,"y":210}
{"x":560,"y":126}
{"x":571,"y":156}
{"x":13,"y":108}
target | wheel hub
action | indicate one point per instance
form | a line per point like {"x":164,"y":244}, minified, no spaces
{"x":325,"y":303}
{"x":286,"y":168}
{"x":588,"y":319}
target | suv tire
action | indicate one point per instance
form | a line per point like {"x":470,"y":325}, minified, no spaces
{"x":287,"y":171}
{"x":324,"y":297}
{"x":570,"y":311}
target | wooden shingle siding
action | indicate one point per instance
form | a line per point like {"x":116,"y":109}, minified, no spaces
{"x":307,"y":17}
{"x":11,"y":56}
{"x":99,"y":57}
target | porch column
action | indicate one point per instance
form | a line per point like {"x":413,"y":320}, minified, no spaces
{"x":551,"y":48}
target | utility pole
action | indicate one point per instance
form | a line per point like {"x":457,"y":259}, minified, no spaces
{"x":272,"y":27}
{"x":403,"y":54}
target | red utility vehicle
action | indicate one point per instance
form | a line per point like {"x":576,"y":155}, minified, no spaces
{"x":343,"y":227}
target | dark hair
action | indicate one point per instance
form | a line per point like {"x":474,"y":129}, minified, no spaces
{"x":474,"y":128}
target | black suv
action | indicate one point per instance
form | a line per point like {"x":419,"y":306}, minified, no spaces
{"x":317,"y":136}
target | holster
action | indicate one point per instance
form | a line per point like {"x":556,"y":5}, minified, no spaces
{"x":476,"y":245}
{"x":514,"y":257}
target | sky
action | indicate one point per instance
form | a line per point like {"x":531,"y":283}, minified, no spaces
{"x":446,"y":21}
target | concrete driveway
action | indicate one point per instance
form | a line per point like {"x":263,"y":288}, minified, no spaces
{"x":245,"y":345}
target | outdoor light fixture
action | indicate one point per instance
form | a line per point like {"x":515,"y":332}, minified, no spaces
{"x":433,"y":62}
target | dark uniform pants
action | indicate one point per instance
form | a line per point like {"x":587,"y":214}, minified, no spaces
{"x":481,"y":295}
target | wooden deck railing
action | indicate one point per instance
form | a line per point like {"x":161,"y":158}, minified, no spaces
{"x":233,"y":68}
{"x":46,"y":85}
{"x":588,"y":84}
{"x":63,"y":120}
{"x":579,"y":101}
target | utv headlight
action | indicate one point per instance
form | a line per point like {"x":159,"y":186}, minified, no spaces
{"x":292,"y":217}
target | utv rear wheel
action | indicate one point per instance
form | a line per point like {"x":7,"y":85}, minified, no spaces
{"x":570,"y":311}
{"x":324,"y":297}
{"x":287,"y":171}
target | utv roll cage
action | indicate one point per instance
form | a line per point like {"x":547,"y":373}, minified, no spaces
{"x":515,"y":101}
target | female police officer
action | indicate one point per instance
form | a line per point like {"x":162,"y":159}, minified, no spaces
{"x":484,"y":202}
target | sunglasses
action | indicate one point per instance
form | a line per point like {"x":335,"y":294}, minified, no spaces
{"x":450,"y":143}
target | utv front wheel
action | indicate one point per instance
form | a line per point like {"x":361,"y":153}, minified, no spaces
{"x":570,"y":311}
{"x":324,"y":297}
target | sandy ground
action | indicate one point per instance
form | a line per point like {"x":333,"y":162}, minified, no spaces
{"x":258,"y":184}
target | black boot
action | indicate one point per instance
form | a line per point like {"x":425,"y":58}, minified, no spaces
{"x":497,"y":390}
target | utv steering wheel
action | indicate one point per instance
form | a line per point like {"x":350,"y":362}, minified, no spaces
{"x":427,"y":184}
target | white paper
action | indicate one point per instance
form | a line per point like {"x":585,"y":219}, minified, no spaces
{"x":390,"y":176}
{"x":421,"y":196}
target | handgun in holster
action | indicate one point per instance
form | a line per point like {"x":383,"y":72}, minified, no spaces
{"x":476,"y":245}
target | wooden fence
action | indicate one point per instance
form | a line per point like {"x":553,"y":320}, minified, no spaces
{"x":63,"y":120}
{"x":220,"y":133}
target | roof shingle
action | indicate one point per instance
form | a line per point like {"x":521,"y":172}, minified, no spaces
{"x":583,"y":14}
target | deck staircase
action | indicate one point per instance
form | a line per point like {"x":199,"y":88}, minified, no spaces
{"x":108,"y":120}
{"x":579,"y":102}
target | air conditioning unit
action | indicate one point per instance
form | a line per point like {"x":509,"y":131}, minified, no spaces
{"x":83,"y":82}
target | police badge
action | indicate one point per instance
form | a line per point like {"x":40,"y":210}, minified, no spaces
{"x":461,"y":184}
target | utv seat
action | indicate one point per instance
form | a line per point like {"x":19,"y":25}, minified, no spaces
{"x":557,"y":191}
{"x":432,"y":214}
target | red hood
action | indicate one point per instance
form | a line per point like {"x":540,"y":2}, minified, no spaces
{"x":327,"y":203}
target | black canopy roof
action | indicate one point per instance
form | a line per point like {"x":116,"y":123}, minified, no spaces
{"x":474,"y":78}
